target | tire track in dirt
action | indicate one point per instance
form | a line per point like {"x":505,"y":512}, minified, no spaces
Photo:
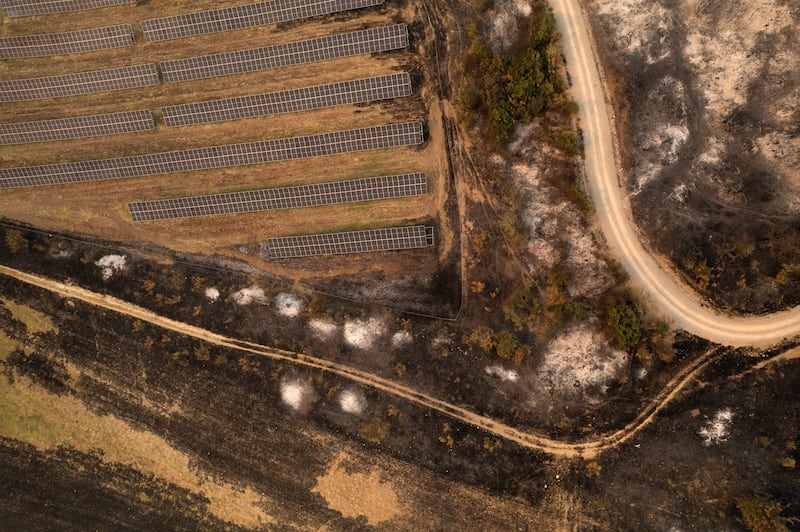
{"x":587,"y":449}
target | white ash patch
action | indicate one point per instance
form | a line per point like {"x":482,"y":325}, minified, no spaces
{"x":250,"y":295}
{"x":323,"y":329}
{"x":579,"y":361}
{"x":505,"y":375}
{"x":363,"y":333}
{"x":212,"y":294}
{"x":288,"y":304}
{"x":352,"y":402}
{"x":679,"y":193}
{"x":401,"y":338}
{"x":718,"y":429}
{"x":111,"y":264}
{"x":295,"y":393}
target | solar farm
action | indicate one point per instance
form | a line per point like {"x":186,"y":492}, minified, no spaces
{"x":270,"y":144}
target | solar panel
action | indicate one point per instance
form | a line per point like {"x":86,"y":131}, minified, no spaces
{"x":387,"y":239}
{"x":368,"y":138}
{"x":320,"y":49}
{"x":367,"y":189}
{"x":71,"y":42}
{"x":76,"y":127}
{"x":305,"y":99}
{"x":17,"y":90}
{"x":26,"y":8}
{"x":246,"y":16}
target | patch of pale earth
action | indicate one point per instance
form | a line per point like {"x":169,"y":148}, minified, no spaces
{"x":322,"y":329}
{"x":548,"y":221}
{"x":295,"y":393}
{"x":782,"y":150}
{"x":579,"y":360}
{"x":717,"y":430}
{"x":352,"y":402}
{"x":505,"y":375}
{"x":401,"y":338}
{"x":363,"y":333}
{"x":358,"y":494}
{"x":47,"y":421}
{"x":636,"y":19}
{"x":712,"y":155}
{"x":590,"y":275}
{"x":726,"y":54}
{"x":111,"y":264}
{"x":250,"y":295}
{"x":212,"y":294}
{"x":287,"y":304}
{"x":665,"y":133}
{"x":503,"y":27}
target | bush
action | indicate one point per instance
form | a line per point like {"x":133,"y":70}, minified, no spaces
{"x":762,"y":514}
{"x":624,"y":324}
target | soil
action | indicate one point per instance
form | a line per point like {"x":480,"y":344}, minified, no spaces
{"x":707,"y":104}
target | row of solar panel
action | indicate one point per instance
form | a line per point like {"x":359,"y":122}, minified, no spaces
{"x":295,"y":53}
{"x":342,"y":45}
{"x":191,"y":24}
{"x":160,"y":29}
{"x":316,"y":195}
{"x":305,"y":99}
{"x":246,"y":16}
{"x":76,"y":127}
{"x":369,"y":138}
{"x":66,"y":43}
{"x":28,"y":8}
{"x":386,"y":239}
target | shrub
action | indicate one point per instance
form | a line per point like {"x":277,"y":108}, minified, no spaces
{"x":762,"y":514}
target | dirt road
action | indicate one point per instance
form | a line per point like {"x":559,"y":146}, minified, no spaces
{"x":586,"y":449}
{"x":666,"y":293}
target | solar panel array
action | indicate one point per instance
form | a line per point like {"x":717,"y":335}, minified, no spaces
{"x":305,"y":99}
{"x":76,"y":127}
{"x":320,"y":49}
{"x":79,"y":83}
{"x":387,"y":239}
{"x":71,"y":42}
{"x":27,"y":8}
{"x":369,"y":138}
{"x":246,"y":16}
{"x":367,"y":189}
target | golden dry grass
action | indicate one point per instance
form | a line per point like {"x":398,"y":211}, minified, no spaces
{"x":33,"y":415}
{"x":35,"y":322}
{"x":7,"y":345}
{"x":357,"y":494}
{"x":100,"y":209}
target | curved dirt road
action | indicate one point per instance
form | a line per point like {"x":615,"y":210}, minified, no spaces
{"x":586,"y":449}
{"x":666,"y":292}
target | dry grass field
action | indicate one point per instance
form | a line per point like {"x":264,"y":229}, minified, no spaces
{"x":99,"y":209}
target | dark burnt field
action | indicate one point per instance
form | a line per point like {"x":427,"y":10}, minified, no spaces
{"x":706,"y":97}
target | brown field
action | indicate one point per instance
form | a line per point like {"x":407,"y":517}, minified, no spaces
{"x":99,"y":209}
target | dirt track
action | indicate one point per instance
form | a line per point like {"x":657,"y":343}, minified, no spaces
{"x":586,"y":449}
{"x":665,"y":291}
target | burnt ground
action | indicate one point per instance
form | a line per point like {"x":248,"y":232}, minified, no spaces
{"x":223,"y":410}
{"x":706,"y":96}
